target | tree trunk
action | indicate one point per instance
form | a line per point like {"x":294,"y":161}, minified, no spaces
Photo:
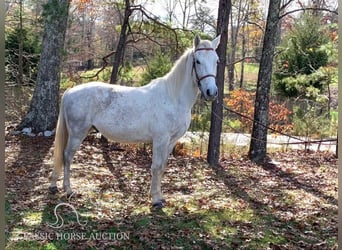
{"x":244,"y":42}
{"x":336,"y":152}
{"x":21,"y":46}
{"x":120,"y":49}
{"x":231,"y":65}
{"x":243,"y":53}
{"x":217,"y":108}
{"x":257,"y":150}
{"x":43,"y":112}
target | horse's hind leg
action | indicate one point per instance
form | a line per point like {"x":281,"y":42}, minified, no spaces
{"x":53,"y":182}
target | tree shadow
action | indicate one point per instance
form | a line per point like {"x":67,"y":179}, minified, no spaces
{"x":26,"y":175}
{"x":291,"y":178}
{"x":234,"y":186}
{"x":288,"y":228}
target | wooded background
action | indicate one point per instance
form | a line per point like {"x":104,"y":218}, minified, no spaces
{"x":280,"y":69}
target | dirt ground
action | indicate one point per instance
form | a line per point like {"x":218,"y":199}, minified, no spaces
{"x":240,"y":205}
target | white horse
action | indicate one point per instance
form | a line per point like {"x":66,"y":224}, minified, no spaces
{"x":159,"y":112}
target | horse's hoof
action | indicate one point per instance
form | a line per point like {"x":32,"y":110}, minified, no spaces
{"x":53,"y":190}
{"x":70,"y":194}
{"x":159,"y":204}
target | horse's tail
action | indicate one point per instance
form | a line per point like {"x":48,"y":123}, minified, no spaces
{"x":61,"y":139}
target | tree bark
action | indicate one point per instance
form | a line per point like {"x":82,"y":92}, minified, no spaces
{"x":120,"y":49}
{"x":258,"y":146}
{"x":213,"y":156}
{"x":243,"y":53}
{"x":21,"y":46}
{"x":231,"y":55}
{"x":43,"y":111}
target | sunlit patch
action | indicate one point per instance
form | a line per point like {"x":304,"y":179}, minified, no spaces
{"x":32,"y":218}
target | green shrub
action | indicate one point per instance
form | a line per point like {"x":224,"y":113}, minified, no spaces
{"x":66,"y":82}
{"x":303,"y":53}
{"x":312,"y":121}
{"x":307,"y":86}
{"x":31,"y":49}
{"x":126,"y":74}
{"x":201,"y":121}
{"x":158,"y":66}
{"x":231,"y":125}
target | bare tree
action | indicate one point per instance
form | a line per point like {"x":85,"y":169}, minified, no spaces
{"x":120,"y":49}
{"x":203,"y":20}
{"x":21,"y":45}
{"x":224,"y":10}
{"x":186,"y":7}
{"x":257,"y":150}
{"x":234,"y":31}
{"x":244,"y":12}
{"x":170,"y":8}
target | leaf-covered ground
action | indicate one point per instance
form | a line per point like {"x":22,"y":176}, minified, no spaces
{"x":239,"y":205}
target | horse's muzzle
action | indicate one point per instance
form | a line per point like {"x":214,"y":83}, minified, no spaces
{"x":210,"y":94}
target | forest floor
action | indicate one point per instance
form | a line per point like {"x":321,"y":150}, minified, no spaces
{"x":237,"y":205}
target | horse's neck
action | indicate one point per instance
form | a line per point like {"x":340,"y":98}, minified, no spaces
{"x":182,"y":87}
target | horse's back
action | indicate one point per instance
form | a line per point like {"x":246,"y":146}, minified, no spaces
{"x":120,"y":113}
{"x":93,"y":89}
{"x":94,"y":95}
{"x":82,"y":103}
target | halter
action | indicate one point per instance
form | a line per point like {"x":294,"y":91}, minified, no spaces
{"x":199,"y":79}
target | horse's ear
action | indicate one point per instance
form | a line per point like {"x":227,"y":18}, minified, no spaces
{"x":197,"y":40}
{"x":215,"y":43}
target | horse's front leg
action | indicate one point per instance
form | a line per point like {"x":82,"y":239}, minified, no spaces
{"x":159,"y":162}
{"x":156,"y":193}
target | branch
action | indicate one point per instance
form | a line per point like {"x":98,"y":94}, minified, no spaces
{"x":256,"y":24}
{"x":287,"y":4}
{"x":155,"y":20}
{"x":242,"y":59}
{"x":308,"y":8}
{"x":105,"y":64}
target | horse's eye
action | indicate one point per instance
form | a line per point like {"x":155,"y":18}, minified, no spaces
{"x":198,"y":62}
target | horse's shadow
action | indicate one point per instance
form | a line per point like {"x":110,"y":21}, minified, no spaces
{"x":116,"y":171}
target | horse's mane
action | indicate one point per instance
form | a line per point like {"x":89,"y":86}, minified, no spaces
{"x":176,"y":75}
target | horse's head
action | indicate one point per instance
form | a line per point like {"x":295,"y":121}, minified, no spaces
{"x":204,"y":66}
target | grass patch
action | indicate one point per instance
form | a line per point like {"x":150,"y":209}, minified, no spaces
{"x":32,"y":218}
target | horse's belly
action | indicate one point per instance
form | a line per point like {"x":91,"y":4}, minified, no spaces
{"x":125,"y":133}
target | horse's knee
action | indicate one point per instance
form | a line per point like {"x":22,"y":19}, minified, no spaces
{"x":158,"y":165}
{"x":156,"y":170}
